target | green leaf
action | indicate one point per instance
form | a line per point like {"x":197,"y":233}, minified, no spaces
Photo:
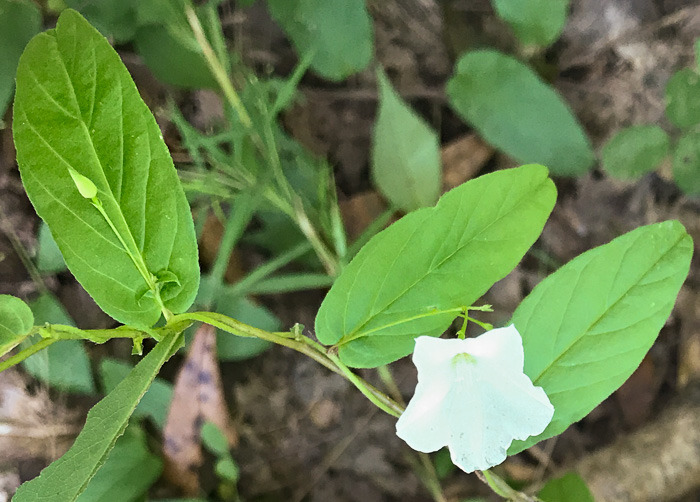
{"x":214,"y":440}
{"x":406,"y":164}
{"x":227,"y":469}
{"x":115,"y":19}
{"x":338,"y":32}
{"x":20,"y":20}
{"x":64,"y":365}
{"x":128,"y":472}
{"x":587,"y":326}
{"x":635,"y":151}
{"x":16,"y":320}
{"x":49,"y":258}
{"x":535,"y":22}
{"x":77,"y":108}
{"x":568,"y":488}
{"x":67,"y":477}
{"x":517,"y":112}
{"x":686,"y":163}
{"x":412,"y":278}
{"x":155,"y":402}
{"x":683,"y":98}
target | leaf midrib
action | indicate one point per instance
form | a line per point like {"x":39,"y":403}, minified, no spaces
{"x":602,"y":315}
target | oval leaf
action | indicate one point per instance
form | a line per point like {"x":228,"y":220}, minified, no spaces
{"x":686,"y":163}
{"x":412,"y":278}
{"x":635,"y":151}
{"x":66,"y":478}
{"x":78,"y":111}
{"x":406,"y":164}
{"x":517,"y":112}
{"x":683,"y":98}
{"x":337,"y":32}
{"x":587,"y":327}
{"x":535,"y":22}
{"x":16,"y":320}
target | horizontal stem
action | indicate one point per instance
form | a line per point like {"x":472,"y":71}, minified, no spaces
{"x":301,"y":344}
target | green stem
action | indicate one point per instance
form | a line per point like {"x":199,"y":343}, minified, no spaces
{"x":219,"y":72}
{"x":24,"y":354}
{"x":500,"y":487}
{"x":362,"y":387}
{"x":300,"y":343}
{"x":136,"y":258}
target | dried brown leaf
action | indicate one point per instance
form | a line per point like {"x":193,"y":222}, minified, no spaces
{"x":198,"y":398}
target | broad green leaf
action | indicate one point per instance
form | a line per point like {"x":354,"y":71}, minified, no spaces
{"x":635,"y":151}
{"x":66,"y":478}
{"x":517,"y":112}
{"x":587,"y":326}
{"x":16,"y":320}
{"x":406,"y":164}
{"x":683,"y":98}
{"x":64,"y":365}
{"x":20,"y":20}
{"x":412,"y":278}
{"x":568,"y":488}
{"x":338,"y":32}
{"x":77,"y":108}
{"x":49,"y":257}
{"x":535,"y":22}
{"x":155,"y":402}
{"x":686,"y":163}
{"x":128,"y":472}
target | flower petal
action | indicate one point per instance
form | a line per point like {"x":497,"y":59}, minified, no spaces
{"x":473,"y":396}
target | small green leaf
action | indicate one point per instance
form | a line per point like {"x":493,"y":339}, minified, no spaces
{"x":87,"y":188}
{"x":586,"y":327}
{"x":64,"y":365}
{"x":155,"y":402}
{"x":20,"y":20}
{"x":412,"y":278}
{"x":76,"y":108}
{"x":128,"y":472}
{"x":635,"y":151}
{"x":338,"y":32}
{"x":568,"y":488}
{"x":406,"y":164}
{"x":517,"y":112}
{"x":66,"y":478}
{"x":49,"y":258}
{"x":16,"y":320}
{"x":535,"y":22}
{"x":227,"y":469}
{"x":683,"y":98}
{"x":686,"y":163}
{"x":214,"y":440}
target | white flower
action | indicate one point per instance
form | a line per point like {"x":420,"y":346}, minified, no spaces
{"x":473,"y":397}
